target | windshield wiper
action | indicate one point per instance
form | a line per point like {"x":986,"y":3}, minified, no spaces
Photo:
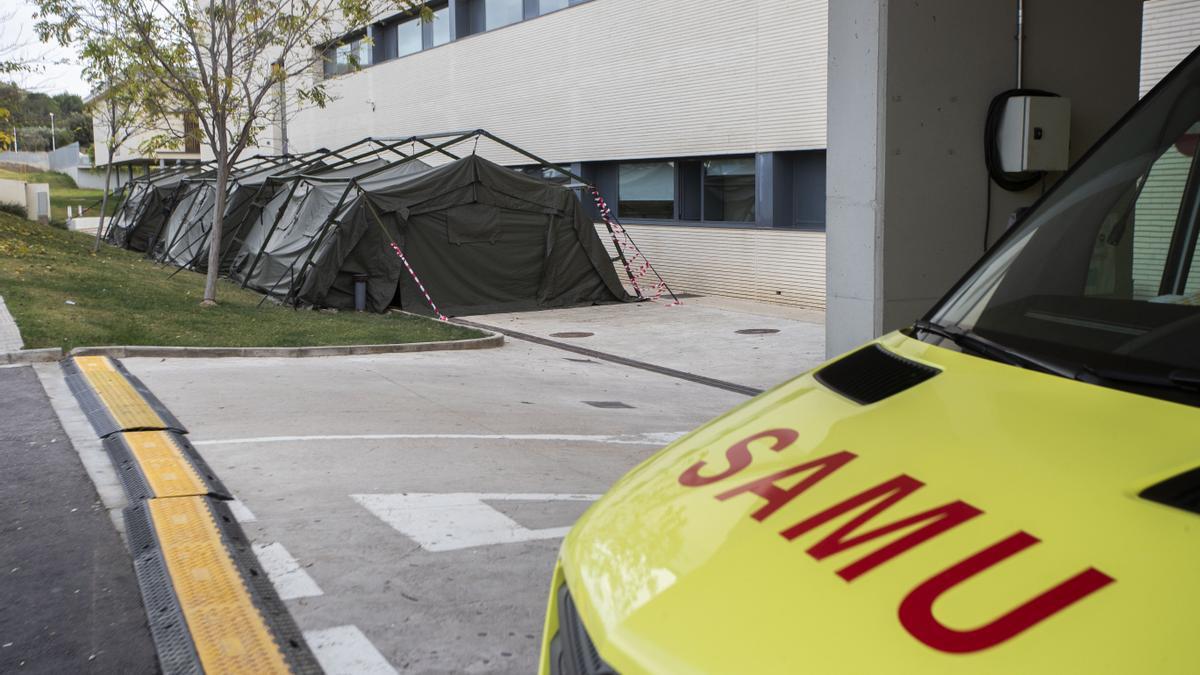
{"x":1179,"y":379}
{"x":982,"y":346}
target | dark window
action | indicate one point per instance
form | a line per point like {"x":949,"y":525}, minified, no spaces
{"x":408,"y":37}
{"x":646,"y":190}
{"x":807,"y":169}
{"x":499,"y":13}
{"x":729,"y":190}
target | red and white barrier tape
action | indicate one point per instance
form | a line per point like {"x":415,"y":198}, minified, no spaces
{"x":614,"y":229}
{"x":417,"y":280}
{"x":624,"y":242}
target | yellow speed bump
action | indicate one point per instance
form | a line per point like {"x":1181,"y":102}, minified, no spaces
{"x":228,"y":631}
{"x":167,"y":471}
{"x":126,"y":406}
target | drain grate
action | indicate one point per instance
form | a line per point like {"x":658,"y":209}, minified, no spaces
{"x":572,"y":334}
{"x":757,"y":331}
{"x":609,"y":404}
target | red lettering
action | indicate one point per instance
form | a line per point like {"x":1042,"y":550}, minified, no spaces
{"x":936,"y":521}
{"x":776,"y":496}
{"x":738,"y":456}
{"x":916,"y":610}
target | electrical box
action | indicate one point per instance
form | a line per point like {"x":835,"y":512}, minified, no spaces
{"x":1035,"y":134}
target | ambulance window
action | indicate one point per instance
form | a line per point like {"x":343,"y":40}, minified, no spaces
{"x":1135,"y":237}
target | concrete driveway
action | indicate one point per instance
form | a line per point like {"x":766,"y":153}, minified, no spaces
{"x":409,"y":507}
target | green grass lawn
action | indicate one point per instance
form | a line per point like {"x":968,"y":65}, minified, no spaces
{"x":63,"y":192}
{"x":119,"y":298}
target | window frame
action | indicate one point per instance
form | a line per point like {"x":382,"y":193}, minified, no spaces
{"x":531,"y":10}
{"x":674,"y":192}
{"x":352,"y":41}
{"x":790,"y":171}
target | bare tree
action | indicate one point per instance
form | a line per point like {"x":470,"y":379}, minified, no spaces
{"x":220,"y":60}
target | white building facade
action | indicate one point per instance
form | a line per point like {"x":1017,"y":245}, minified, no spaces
{"x":702,"y":123}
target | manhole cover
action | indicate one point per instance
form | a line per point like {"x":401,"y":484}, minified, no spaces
{"x":608,"y":404}
{"x":757,"y":331}
{"x":572,"y":334}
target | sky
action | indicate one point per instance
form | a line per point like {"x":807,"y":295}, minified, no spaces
{"x":58,"y":69}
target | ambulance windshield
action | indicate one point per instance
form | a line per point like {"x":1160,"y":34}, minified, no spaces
{"x":1103,"y":275}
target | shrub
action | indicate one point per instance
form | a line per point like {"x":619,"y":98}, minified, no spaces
{"x":14,"y":209}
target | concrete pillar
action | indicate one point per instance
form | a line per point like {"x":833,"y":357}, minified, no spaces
{"x":909,"y":86}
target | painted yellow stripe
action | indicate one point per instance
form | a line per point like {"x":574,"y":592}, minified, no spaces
{"x":229,"y":633}
{"x":167,"y":470}
{"x":124,"y":403}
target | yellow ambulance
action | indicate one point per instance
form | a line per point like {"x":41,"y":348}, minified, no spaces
{"x":1009,"y":485}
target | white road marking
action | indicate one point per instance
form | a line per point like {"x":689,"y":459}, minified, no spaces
{"x":344,"y":650}
{"x":286,"y":574}
{"x":240,"y":512}
{"x":657,"y":438}
{"x":453,"y":521}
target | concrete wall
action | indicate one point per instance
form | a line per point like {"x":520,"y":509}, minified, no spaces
{"x":607,"y":79}
{"x":784,"y":267}
{"x":12,"y":192}
{"x":93,"y":179}
{"x":910,"y":83}
{"x":33,"y":197}
{"x":63,"y":159}
{"x":37,"y":160}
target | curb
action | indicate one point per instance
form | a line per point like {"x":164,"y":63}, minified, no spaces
{"x":50,"y":355}
{"x":492,"y":341}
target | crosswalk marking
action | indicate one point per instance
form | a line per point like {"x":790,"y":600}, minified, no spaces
{"x":344,"y":650}
{"x":286,"y":574}
{"x":452,"y":521}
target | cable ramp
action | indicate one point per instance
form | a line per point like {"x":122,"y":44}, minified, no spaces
{"x":210,"y":607}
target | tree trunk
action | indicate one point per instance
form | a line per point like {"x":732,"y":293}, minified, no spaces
{"x":214,"y":235}
{"x":103,"y":203}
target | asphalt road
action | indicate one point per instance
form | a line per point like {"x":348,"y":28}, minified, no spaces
{"x":70,"y":602}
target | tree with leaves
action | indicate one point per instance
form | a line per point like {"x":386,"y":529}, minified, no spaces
{"x":119,"y":103}
{"x":220,"y":61}
{"x":12,"y":61}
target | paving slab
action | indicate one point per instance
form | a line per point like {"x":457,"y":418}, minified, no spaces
{"x":70,"y":601}
{"x":747,"y":343}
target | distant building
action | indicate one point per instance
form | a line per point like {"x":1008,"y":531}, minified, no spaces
{"x":190,"y":147}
